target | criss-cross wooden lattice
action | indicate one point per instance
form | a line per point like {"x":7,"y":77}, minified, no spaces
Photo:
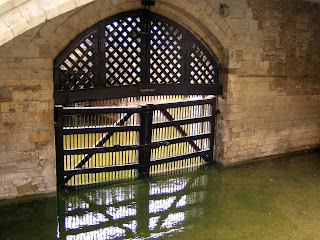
{"x":122,"y":51}
{"x":137,"y":48}
{"x":78,"y":69}
{"x":166,"y":52}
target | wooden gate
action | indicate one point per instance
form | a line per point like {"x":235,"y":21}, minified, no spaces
{"x":132,"y":55}
{"x":106,"y":144}
{"x":135,"y":53}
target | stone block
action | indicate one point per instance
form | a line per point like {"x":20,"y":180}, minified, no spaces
{"x":65,"y":5}
{"x":20,"y":138}
{"x":27,"y":189}
{"x":48,"y":64}
{"x":8,"y":167}
{"x":5,"y":33}
{"x":34,"y":137}
{"x":14,"y":157}
{"x":50,"y":8}
{"x":4,"y":192}
{"x":44,"y":126}
{"x":33,"y":13}
{"x":46,"y":95}
{"x":25,"y":147}
{"x":44,"y":51}
{"x":51,"y":186}
{"x":45,"y":136}
{"x":5,"y":94}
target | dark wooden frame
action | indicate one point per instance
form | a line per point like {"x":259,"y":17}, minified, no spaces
{"x":101,"y":91}
{"x":145,"y":135}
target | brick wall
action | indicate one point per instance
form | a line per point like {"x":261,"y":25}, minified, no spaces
{"x":269,"y":51}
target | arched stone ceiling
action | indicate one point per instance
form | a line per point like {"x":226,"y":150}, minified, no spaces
{"x":18,"y":16}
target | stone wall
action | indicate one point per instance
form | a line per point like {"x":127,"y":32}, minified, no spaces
{"x":270,"y":56}
{"x":272,"y":94}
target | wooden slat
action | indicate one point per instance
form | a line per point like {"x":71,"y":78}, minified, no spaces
{"x":179,"y":157}
{"x":85,"y":130}
{"x":98,"y":110}
{"x":129,"y":166}
{"x":91,"y":151}
{"x":100,"y":143}
{"x":102,"y":93}
{"x":182,"y":131}
{"x":158,"y":106}
{"x":178,"y":140}
{"x":181,"y":122}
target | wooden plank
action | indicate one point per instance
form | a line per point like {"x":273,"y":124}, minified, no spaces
{"x":176,"y":123}
{"x":100,"y":143}
{"x":158,"y":106}
{"x":71,"y":172}
{"x":147,"y":89}
{"x":182,"y":131}
{"x":109,"y":129}
{"x":212,"y":131}
{"x":59,"y":146}
{"x":95,"y":150}
{"x":179,"y":157}
{"x":142,"y":141}
{"x":178,"y":140}
{"x":98,"y":110}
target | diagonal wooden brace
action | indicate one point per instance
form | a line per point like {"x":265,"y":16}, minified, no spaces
{"x":182,"y":132}
{"x":99,"y":143}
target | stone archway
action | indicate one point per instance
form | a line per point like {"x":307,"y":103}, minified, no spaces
{"x":27,"y":75}
{"x":134,"y":54}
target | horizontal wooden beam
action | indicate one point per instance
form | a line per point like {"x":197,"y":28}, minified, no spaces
{"x":102,"y":93}
{"x":179,"y":157}
{"x":181,"y":122}
{"x":113,"y":168}
{"x":167,"y":142}
{"x":95,"y":150}
{"x":86,"y":130}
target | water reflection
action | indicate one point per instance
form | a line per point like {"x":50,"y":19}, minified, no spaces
{"x":277,"y":199}
{"x":141,"y":210}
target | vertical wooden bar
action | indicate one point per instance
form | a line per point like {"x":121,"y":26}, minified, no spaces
{"x":149,"y":114}
{"x":99,"y":56}
{"x":212,"y":128}
{"x":145,"y":50}
{"x":145,"y":140}
{"x":142,"y":140}
{"x":59,"y":146}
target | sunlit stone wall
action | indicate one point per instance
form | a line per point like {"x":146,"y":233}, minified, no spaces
{"x":269,"y":52}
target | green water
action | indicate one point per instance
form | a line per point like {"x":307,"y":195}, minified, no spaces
{"x":272,"y":199}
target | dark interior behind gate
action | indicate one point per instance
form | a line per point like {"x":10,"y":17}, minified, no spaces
{"x":135,"y":95}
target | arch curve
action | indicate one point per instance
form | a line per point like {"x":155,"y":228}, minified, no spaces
{"x":139,"y":49}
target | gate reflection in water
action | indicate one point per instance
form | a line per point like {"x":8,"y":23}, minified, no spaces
{"x":141,"y":210}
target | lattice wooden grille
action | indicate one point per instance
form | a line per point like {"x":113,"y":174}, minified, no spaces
{"x":77,"y":70}
{"x":132,"y":48}
{"x":201,"y":66}
{"x":165,"y":53}
{"x":123,"y":51}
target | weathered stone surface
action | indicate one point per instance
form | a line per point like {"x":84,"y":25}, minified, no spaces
{"x":270,"y":56}
{"x":27,"y":189}
{"x":5,"y":94}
